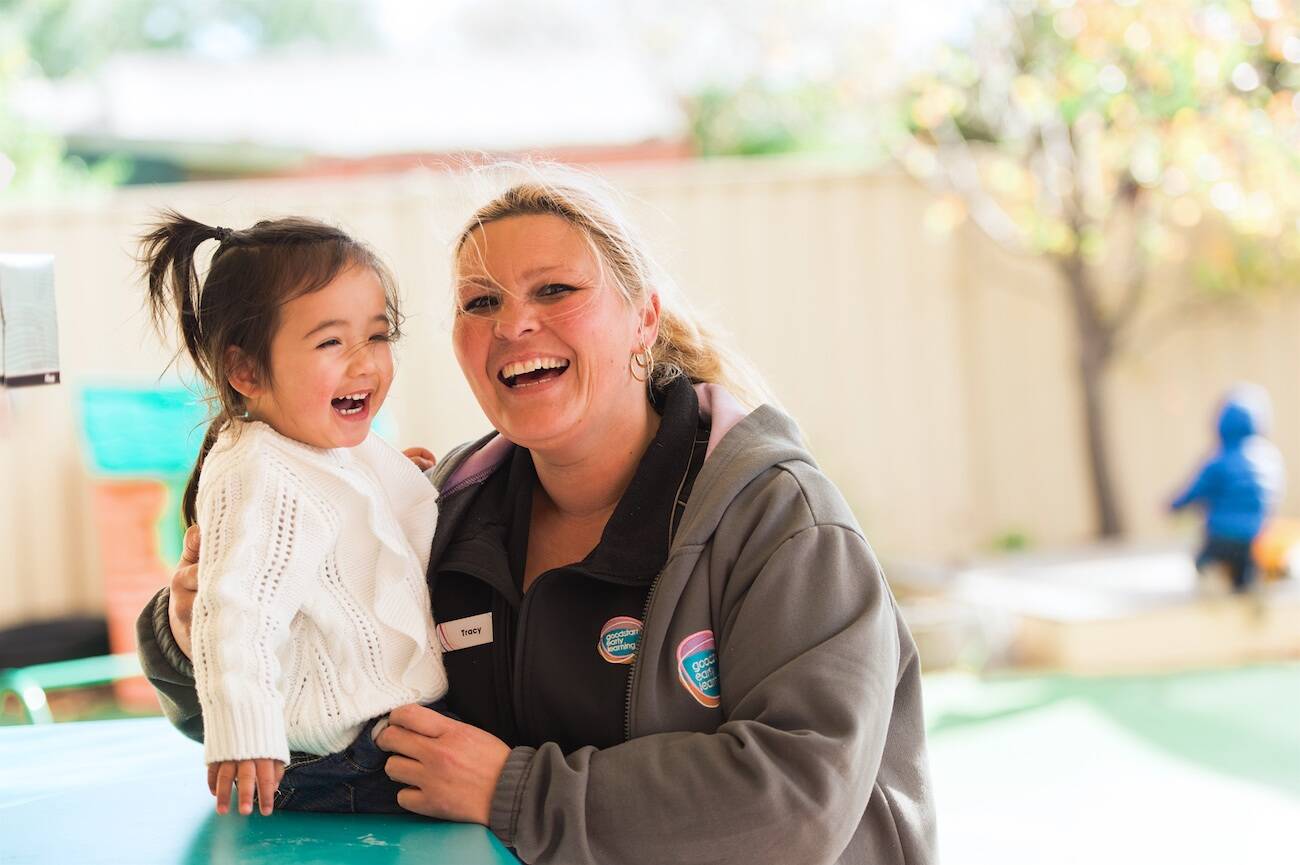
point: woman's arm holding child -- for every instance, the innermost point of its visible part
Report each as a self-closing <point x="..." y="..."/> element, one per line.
<point x="184" y="587"/>
<point x="163" y="642"/>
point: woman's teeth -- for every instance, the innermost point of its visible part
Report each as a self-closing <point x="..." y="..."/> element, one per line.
<point x="511" y="372"/>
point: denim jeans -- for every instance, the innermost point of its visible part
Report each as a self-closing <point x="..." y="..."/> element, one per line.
<point x="351" y="781"/>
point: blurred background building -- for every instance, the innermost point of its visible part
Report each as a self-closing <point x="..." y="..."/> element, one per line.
<point x="1000" y="258"/>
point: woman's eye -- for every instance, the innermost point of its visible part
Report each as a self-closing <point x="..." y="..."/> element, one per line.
<point x="328" y="343"/>
<point x="386" y="336"/>
<point x="481" y="304"/>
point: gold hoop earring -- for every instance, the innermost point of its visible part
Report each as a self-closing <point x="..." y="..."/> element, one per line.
<point x="643" y="360"/>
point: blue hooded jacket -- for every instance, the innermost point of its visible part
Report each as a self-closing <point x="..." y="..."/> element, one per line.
<point x="1242" y="484"/>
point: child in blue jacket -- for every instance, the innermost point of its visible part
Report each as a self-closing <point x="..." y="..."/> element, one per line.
<point x="1239" y="486"/>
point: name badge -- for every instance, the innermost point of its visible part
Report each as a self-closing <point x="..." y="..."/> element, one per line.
<point x="467" y="632"/>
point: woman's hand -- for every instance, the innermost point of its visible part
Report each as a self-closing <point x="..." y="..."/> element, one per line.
<point x="185" y="585"/>
<point x="451" y="768"/>
<point x="262" y="775"/>
<point x="422" y="457"/>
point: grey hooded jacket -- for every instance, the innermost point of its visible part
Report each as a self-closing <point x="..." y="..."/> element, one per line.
<point x="808" y="746"/>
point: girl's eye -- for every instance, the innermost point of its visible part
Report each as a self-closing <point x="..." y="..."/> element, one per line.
<point x="555" y="289"/>
<point x="481" y="304"/>
<point x="386" y="336"/>
<point x="329" y="343"/>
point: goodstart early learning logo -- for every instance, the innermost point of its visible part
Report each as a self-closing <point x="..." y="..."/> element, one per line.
<point x="697" y="668"/>
<point x="619" y="639"/>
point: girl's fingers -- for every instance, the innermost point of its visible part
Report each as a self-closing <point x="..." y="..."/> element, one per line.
<point x="246" y="778"/>
<point x="225" y="776"/>
<point x="267" y="782"/>
<point x="261" y="776"/>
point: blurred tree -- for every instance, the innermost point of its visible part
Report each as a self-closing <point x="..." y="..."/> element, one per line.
<point x="1103" y="135"/>
<point x="57" y="38"/>
<point x="66" y="36"/>
<point x="781" y="76"/>
<point x="755" y="120"/>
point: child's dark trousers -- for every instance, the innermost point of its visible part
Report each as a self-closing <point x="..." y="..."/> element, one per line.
<point x="1235" y="555"/>
<point x="351" y="781"/>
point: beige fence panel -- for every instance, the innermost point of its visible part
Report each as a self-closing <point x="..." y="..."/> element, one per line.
<point x="933" y="377"/>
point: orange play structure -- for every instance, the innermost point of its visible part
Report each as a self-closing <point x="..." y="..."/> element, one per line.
<point x="1277" y="549"/>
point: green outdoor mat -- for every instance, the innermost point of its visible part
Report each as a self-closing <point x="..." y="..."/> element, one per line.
<point x="1196" y="768"/>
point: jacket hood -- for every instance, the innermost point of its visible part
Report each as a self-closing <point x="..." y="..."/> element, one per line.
<point x="1246" y="410"/>
<point x="762" y="439"/>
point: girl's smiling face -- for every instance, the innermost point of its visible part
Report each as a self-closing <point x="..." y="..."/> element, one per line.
<point x="542" y="337"/>
<point x="331" y="364"/>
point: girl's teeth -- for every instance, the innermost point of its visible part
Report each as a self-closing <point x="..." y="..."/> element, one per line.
<point x="353" y="397"/>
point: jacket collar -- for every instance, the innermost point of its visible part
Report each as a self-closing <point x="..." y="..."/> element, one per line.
<point x="472" y="463"/>
<point x="467" y="466"/>
<point x="634" y="545"/>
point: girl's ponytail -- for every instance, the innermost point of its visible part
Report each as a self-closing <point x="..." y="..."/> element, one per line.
<point x="167" y="254"/>
<point x="189" y="502"/>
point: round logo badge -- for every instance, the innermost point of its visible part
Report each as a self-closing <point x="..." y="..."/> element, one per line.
<point x="619" y="639"/>
<point x="697" y="668"/>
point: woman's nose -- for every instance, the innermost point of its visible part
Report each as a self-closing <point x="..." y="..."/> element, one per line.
<point x="515" y="320"/>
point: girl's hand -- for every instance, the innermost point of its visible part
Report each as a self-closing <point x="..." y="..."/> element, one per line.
<point x="185" y="585"/>
<point x="262" y="775"/>
<point x="422" y="457"/>
<point x="451" y="768"/>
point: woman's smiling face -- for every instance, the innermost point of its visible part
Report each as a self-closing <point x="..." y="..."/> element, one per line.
<point x="543" y="338"/>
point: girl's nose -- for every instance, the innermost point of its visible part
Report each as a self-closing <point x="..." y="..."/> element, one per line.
<point x="363" y="359"/>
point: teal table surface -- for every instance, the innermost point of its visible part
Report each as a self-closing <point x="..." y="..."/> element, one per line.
<point x="135" y="792"/>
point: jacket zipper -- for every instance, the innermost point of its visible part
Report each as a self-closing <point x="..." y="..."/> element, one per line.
<point x="505" y="659"/>
<point x="650" y="596"/>
<point x="636" y="661"/>
<point x="517" y="650"/>
<point x="519" y="626"/>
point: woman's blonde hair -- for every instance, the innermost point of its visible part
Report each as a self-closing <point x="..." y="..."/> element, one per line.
<point x="686" y="346"/>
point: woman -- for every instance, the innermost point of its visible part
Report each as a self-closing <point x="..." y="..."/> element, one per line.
<point x="666" y="637"/>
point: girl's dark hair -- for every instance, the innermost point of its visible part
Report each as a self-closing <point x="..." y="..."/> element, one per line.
<point x="252" y="273"/>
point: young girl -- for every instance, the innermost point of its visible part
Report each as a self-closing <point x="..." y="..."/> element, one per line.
<point x="311" y="619"/>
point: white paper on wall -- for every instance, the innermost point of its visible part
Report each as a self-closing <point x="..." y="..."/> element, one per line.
<point x="29" y="331"/>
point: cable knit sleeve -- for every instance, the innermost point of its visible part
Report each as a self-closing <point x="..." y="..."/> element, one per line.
<point x="263" y="545"/>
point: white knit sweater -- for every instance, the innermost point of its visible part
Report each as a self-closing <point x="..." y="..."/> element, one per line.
<point x="312" y="614"/>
